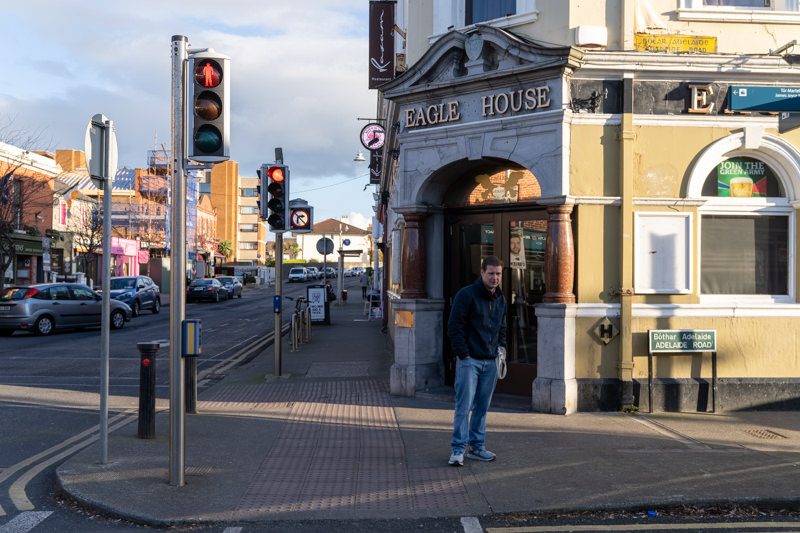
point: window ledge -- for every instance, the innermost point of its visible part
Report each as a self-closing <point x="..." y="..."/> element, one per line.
<point x="736" y="15"/>
<point x="502" y="22"/>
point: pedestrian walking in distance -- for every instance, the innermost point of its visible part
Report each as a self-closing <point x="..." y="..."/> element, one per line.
<point x="476" y="328"/>
<point x="364" y="280"/>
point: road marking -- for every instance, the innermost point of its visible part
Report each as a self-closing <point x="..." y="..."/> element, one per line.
<point x="646" y="527"/>
<point x="17" y="491"/>
<point x="24" y="522"/>
<point x="471" y="524"/>
<point x="671" y="433"/>
<point x="232" y="530"/>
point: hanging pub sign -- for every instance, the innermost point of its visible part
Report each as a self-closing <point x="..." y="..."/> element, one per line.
<point x="381" y="42"/>
<point x="742" y="177"/>
<point x="375" y="158"/>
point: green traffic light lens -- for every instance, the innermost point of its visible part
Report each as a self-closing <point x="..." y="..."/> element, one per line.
<point x="208" y="106"/>
<point x="276" y="221"/>
<point x="208" y="139"/>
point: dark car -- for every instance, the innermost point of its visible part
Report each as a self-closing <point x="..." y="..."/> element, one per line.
<point x="232" y="284"/>
<point x="139" y="292"/>
<point x="46" y="307"/>
<point x="206" y="289"/>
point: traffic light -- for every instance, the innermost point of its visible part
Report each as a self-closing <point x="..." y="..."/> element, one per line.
<point x="278" y="193"/>
<point x="207" y="135"/>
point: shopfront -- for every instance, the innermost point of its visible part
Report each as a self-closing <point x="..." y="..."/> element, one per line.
<point x="620" y="201"/>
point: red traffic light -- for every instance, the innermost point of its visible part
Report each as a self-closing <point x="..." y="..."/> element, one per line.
<point x="207" y="73"/>
<point x="275" y="173"/>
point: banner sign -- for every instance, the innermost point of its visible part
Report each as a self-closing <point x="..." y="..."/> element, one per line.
<point x="381" y="43"/>
<point x="682" y="340"/>
<point x="742" y="177"/>
<point x="746" y="98"/>
<point x="375" y="159"/>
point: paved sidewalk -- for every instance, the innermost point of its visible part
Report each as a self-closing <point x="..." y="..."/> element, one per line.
<point x="327" y="440"/>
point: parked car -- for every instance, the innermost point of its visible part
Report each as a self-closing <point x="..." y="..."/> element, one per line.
<point x="329" y="272"/>
<point x="232" y="285"/>
<point x="206" y="289"/>
<point x="356" y="271"/>
<point x="346" y="272"/>
<point x="139" y="292"/>
<point x="46" y="307"/>
<point x="313" y="273"/>
<point x="298" y="274"/>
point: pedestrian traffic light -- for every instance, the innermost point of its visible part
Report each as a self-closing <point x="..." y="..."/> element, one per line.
<point x="278" y="203"/>
<point x="207" y="136"/>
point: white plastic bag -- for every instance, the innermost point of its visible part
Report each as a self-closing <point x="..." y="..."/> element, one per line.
<point x="502" y="367"/>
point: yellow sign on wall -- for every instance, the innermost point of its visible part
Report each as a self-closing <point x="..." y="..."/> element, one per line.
<point x="674" y="44"/>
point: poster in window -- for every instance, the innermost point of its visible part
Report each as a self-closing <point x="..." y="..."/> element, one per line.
<point x="742" y="177"/>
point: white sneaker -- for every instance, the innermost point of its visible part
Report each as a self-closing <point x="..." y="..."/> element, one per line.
<point x="456" y="459"/>
<point x="481" y="454"/>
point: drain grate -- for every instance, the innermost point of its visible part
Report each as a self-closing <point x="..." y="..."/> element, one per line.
<point x="764" y="434"/>
<point x="198" y="470"/>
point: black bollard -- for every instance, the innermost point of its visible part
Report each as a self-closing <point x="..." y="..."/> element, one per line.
<point x="147" y="389"/>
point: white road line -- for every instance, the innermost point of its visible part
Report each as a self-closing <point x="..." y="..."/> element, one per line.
<point x="471" y="524"/>
<point x="232" y="530"/>
<point x="24" y="522"/>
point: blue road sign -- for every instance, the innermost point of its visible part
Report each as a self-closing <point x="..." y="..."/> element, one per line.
<point x="748" y="98"/>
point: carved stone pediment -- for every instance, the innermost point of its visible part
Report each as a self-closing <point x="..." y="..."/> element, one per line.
<point x="484" y="52"/>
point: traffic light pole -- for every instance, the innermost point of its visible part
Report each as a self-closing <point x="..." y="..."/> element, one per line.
<point x="177" y="306"/>
<point x="278" y="342"/>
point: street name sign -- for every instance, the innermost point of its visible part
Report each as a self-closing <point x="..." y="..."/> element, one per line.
<point x="749" y="98"/>
<point x="682" y="340"/>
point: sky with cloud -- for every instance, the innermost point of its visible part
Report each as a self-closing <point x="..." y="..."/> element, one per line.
<point x="298" y="80"/>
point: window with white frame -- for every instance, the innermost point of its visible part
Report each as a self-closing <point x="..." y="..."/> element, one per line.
<point x="248" y="209"/>
<point x="745" y="232"/>
<point x="772" y="5"/>
<point x="449" y="14"/>
<point x="248" y="227"/>
<point x="248" y="245"/>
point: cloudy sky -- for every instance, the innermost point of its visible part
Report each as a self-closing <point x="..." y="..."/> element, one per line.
<point x="298" y="81"/>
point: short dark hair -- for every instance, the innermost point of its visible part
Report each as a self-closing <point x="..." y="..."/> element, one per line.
<point x="491" y="261"/>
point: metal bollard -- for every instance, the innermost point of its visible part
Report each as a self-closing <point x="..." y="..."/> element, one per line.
<point x="147" y="389"/>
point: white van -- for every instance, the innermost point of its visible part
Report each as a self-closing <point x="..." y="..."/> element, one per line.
<point x="298" y="274"/>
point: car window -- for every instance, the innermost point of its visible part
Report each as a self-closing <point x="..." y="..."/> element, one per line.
<point x="80" y="293"/>
<point x="59" y="293"/>
<point x="13" y="293"/>
<point x="123" y="283"/>
<point x="43" y="294"/>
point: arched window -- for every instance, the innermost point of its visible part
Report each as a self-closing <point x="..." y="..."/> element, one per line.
<point x="745" y="232"/>
<point x="492" y="187"/>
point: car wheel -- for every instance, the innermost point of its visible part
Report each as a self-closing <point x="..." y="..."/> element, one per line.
<point x="6" y="332"/>
<point x="157" y="305"/>
<point x="44" y="325"/>
<point x="117" y="319"/>
<point x="240" y="294"/>
<point x="216" y="298"/>
<point x="135" y="308"/>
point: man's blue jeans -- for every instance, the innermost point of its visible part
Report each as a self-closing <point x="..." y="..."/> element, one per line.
<point x="475" y="381"/>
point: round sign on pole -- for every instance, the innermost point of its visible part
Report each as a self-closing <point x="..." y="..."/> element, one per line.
<point x="347" y="242"/>
<point x="325" y="246"/>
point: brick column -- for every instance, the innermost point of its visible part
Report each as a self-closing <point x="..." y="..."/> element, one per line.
<point x="559" y="258"/>
<point x="414" y="258"/>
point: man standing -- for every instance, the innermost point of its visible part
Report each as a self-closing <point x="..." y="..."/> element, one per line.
<point x="476" y="328"/>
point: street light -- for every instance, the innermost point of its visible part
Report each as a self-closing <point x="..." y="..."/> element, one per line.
<point x="359" y="158"/>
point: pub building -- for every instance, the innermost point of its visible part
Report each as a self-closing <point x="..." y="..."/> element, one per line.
<point x="624" y="195"/>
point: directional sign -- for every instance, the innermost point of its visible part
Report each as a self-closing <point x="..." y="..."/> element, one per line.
<point x="748" y="98"/>
<point x="100" y="145"/>
<point x="300" y="219"/>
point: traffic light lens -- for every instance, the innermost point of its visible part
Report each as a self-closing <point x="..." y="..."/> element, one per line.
<point x="275" y="204"/>
<point x="208" y="106"/>
<point x="207" y="73"/>
<point x="276" y="174"/>
<point x="208" y="139"/>
<point x="275" y="188"/>
<point x="276" y="221"/>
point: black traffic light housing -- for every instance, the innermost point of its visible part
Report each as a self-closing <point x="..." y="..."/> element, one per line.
<point x="278" y="197"/>
<point x="208" y="119"/>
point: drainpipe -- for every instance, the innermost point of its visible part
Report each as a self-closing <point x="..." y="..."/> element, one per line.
<point x="627" y="169"/>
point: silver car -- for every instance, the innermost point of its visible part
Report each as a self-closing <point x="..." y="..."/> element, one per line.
<point x="46" y="307"/>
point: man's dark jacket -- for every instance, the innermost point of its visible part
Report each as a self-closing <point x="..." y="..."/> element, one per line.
<point x="477" y="324"/>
